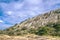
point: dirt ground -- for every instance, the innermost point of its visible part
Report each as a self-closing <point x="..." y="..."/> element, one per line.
<point x="5" y="37"/>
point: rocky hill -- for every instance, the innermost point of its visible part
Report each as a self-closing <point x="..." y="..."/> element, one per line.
<point x="43" y="24"/>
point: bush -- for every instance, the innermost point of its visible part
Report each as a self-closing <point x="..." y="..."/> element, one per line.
<point x="45" y="31"/>
<point x="32" y="31"/>
<point x="1" y="32"/>
<point x="56" y="26"/>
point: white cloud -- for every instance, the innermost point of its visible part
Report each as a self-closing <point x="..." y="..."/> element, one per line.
<point x="18" y="5"/>
<point x="50" y="3"/>
<point x="33" y="1"/>
<point x="9" y="12"/>
<point x="1" y="21"/>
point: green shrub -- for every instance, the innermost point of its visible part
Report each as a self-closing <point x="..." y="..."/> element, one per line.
<point x="1" y="32"/>
<point x="32" y="31"/>
<point x="45" y="31"/>
<point x="56" y="26"/>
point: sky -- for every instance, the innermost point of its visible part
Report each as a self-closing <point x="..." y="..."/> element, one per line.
<point x="16" y="11"/>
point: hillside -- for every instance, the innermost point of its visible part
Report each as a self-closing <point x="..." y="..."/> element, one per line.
<point x="43" y="24"/>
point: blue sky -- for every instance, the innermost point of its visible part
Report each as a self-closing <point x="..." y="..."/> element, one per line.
<point x="15" y="11"/>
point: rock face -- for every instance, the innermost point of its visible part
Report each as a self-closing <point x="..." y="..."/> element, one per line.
<point x="41" y="20"/>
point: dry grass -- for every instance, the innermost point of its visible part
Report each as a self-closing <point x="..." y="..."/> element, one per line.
<point x="28" y="37"/>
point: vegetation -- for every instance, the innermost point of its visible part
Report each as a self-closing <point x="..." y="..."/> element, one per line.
<point x="45" y="31"/>
<point x="52" y="29"/>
